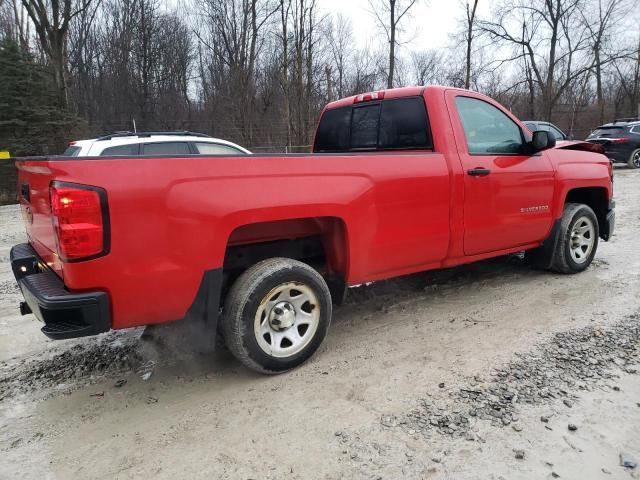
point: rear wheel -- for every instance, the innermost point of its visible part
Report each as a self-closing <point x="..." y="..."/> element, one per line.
<point x="276" y="315"/>
<point x="634" y="159"/>
<point x="578" y="239"/>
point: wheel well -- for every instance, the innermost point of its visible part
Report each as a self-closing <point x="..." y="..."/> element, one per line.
<point x="319" y="242"/>
<point x="595" y="197"/>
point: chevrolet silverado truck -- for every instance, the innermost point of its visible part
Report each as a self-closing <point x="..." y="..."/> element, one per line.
<point x="399" y="181"/>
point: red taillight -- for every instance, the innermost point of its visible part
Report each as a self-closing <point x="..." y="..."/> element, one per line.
<point x="78" y="213"/>
<point x="619" y="140"/>
<point x="367" y="97"/>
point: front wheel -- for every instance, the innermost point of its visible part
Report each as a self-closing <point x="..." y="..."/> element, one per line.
<point x="634" y="159"/>
<point x="578" y="239"/>
<point x="276" y="315"/>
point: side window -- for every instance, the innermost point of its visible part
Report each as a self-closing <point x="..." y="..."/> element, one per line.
<point x="216" y="149"/>
<point x="635" y="129"/>
<point x="127" y="150"/>
<point x="487" y="129"/>
<point x="166" y="148"/>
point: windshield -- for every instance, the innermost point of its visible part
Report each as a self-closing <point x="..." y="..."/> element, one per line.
<point x="71" y="152"/>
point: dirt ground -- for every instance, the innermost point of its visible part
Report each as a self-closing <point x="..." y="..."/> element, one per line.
<point x="442" y="375"/>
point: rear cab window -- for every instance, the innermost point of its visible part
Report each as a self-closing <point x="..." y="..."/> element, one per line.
<point x="393" y="124"/>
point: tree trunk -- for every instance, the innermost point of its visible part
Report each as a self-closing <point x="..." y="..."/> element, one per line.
<point x="392" y="42"/>
<point x="309" y="79"/>
<point x="470" y="22"/>
<point x="284" y="17"/>
<point x="58" y="61"/>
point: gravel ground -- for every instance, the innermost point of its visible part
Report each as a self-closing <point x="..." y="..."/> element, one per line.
<point x="487" y="371"/>
<point x="572" y="361"/>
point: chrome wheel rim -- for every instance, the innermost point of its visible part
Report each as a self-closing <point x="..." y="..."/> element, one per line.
<point x="287" y="319"/>
<point x="636" y="158"/>
<point x="582" y="239"/>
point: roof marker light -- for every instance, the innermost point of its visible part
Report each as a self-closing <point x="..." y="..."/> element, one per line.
<point x="367" y="97"/>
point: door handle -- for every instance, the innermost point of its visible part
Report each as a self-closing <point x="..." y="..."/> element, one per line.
<point x="479" y="172"/>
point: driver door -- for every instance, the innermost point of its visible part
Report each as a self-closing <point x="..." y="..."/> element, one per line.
<point x="508" y="192"/>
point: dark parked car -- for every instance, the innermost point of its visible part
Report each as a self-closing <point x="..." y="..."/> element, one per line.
<point x="534" y="125"/>
<point x="621" y="141"/>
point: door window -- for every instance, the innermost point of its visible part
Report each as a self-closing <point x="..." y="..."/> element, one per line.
<point x="487" y="129"/>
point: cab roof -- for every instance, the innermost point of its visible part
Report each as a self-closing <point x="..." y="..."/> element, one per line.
<point x="391" y="93"/>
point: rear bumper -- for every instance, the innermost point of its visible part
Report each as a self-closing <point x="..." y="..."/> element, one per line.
<point x="64" y="314"/>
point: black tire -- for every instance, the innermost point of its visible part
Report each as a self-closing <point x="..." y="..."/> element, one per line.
<point x="634" y="159"/>
<point x="248" y="297"/>
<point x="563" y="260"/>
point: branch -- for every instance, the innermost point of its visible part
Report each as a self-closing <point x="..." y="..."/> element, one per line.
<point x="413" y="2"/>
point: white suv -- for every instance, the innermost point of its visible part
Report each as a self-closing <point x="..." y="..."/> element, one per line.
<point x="153" y="143"/>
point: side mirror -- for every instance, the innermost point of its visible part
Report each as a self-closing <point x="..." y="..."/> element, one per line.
<point x="542" y="140"/>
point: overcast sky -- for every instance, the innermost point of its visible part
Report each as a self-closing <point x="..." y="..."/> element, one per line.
<point x="431" y="21"/>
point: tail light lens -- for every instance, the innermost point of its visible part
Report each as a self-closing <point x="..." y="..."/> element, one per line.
<point x="80" y="219"/>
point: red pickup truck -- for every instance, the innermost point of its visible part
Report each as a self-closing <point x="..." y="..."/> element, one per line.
<point x="400" y="181"/>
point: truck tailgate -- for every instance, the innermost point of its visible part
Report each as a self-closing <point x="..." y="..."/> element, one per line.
<point x="34" y="177"/>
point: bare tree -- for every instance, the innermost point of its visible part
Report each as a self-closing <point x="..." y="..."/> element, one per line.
<point x="304" y="28"/>
<point x="51" y="21"/>
<point x="470" y="10"/>
<point x="549" y="38"/>
<point x="388" y="15"/>
<point x="628" y="76"/>
<point x="428" y="67"/>
<point x="232" y="35"/>
<point x="259" y="71"/>
<point x="341" y="41"/>
<point x="14" y="22"/>
<point x="599" y="21"/>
